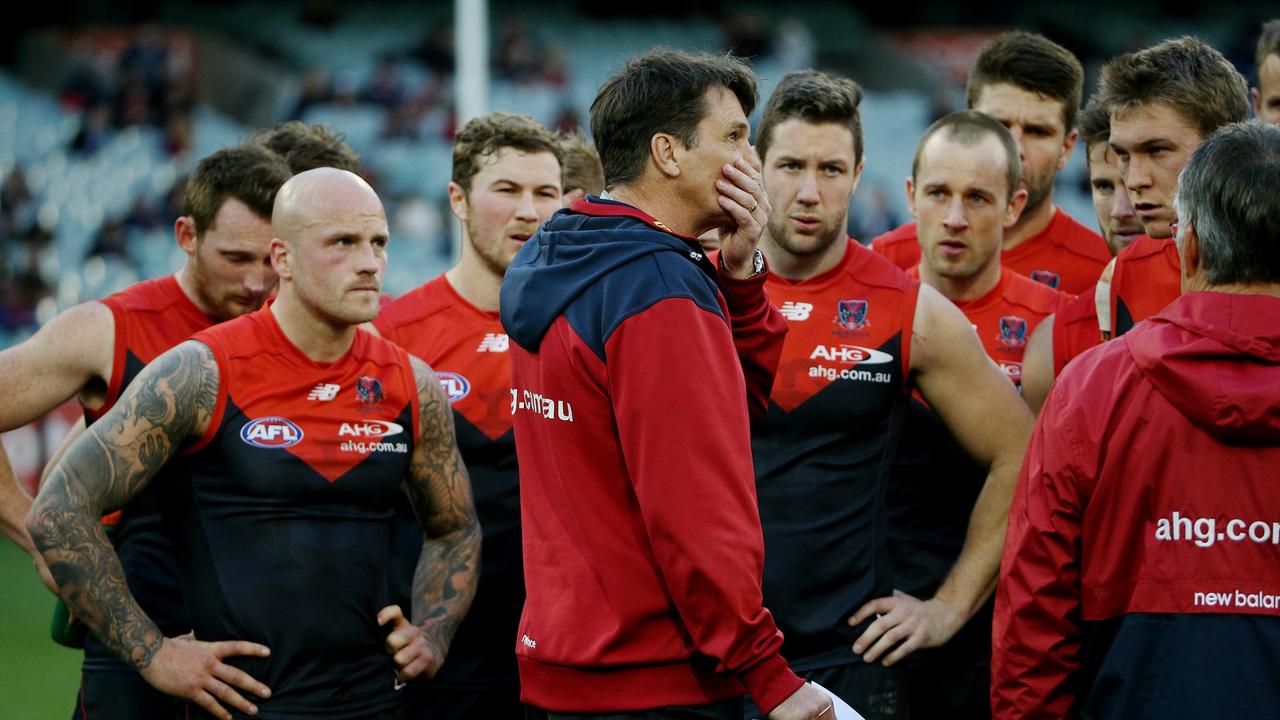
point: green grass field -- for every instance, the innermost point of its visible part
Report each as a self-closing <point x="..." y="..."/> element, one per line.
<point x="38" y="679"/>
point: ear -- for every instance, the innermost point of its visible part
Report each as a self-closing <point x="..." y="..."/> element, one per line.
<point x="184" y="230"/>
<point x="665" y="151"/>
<point x="857" y="176"/>
<point x="911" y="196"/>
<point x="1068" y="147"/>
<point x="458" y="202"/>
<point x="573" y="196"/>
<point x="1189" y="249"/>
<point x="1014" y="210"/>
<point x="1256" y="95"/>
<point x="281" y="258"/>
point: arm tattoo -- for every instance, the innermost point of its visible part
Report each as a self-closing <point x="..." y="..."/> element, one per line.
<point x="438" y="487"/>
<point x="169" y="403"/>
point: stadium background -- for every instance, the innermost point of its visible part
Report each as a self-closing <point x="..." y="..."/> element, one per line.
<point x="103" y="110"/>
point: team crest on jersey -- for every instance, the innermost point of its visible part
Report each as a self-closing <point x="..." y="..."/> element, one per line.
<point x="1013" y="332"/>
<point x="1046" y="277"/>
<point x="369" y="390"/>
<point x="271" y="432"/>
<point x="852" y="314"/>
<point x="455" y="386"/>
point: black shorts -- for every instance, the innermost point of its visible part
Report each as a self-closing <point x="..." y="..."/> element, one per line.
<point x="436" y="703"/>
<point x="875" y="691"/>
<point x="123" y="696"/>
<point x="722" y="710"/>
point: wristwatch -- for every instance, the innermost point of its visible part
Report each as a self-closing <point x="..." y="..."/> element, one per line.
<point x="757" y="263"/>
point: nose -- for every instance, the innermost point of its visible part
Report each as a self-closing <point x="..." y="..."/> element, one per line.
<point x="808" y="191"/>
<point x="526" y="211"/>
<point x="1135" y="172"/>
<point x="1016" y="132"/>
<point x="260" y="279"/>
<point x="1122" y="206"/>
<point x="370" y="259"/>
<point x="954" y="219"/>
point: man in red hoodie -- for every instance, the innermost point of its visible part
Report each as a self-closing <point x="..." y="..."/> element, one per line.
<point x="634" y="358"/>
<point x="1140" y="575"/>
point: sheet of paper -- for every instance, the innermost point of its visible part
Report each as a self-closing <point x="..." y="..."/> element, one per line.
<point x="843" y="711"/>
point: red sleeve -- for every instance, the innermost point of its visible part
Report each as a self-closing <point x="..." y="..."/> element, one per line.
<point x="682" y="425"/>
<point x="758" y="332"/>
<point x="1035" y="634"/>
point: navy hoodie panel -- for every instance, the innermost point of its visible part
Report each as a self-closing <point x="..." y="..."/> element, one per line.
<point x="617" y="267"/>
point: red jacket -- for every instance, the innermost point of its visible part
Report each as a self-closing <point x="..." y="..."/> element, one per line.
<point x="1141" y="574"/>
<point x="633" y="365"/>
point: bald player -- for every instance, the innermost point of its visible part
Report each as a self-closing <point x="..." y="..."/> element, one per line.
<point x="1033" y="86"/>
<point x="1063" y="336"/>
<point x="282" y="438"/>
<point x="1266" y="96"/>
<point x="93" y="352"/>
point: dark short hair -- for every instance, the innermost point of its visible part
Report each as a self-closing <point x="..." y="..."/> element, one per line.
<point x="1227" y="191"/>
<point x="1095" y="124"/>
<point x="814" y="97"/>
<point x="970" y="127"/>
<point x="1033" y="63"/>
<point x="485" y="135"/>
<point x="249" y="173"/>
<point x="1184" y="73"/>
<point x="1268" y="42"/>
<point x="307" y="147"/>
<point x="661" y="91"/>
<point x="580" y="167"/>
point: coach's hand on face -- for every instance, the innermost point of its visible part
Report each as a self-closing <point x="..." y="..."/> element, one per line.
<point x="408" y="646"/>
<point x="193" y="670"/>
<point x="906" y="622"/>
<point x="742" y="196"/>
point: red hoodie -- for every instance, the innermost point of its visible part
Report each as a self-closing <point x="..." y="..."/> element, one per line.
<point x="1141" y="573"/>
<point x="633" y="364"/>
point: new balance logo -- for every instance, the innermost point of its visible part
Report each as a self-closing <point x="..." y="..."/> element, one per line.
<point x="796" y="311"/>
<point x="324" y="392"/>
<point x="494" y="342"/>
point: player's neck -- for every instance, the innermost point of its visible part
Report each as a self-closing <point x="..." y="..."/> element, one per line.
<point x="319" y="339"/>
<point x="966" y="289"/>
<point x="1031" y="223"/>
<point x="187" y="283"/>
<point x="475" y="283"/>
<point x="662" y="204"/>
<point x="802" y="267"/>
<point x="1198" y="283"/>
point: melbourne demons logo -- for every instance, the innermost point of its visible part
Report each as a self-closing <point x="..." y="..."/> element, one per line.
<point x="271" y="432"/>
<point x="455" y="386"/>
<point x="369" y="390"/>
<point x="1013" y="332"/>
<point x="1046" y="277"/>
<point x="852" y="314"/>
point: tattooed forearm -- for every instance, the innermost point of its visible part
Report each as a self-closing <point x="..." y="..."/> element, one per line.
<point x="170" y="402"/>
<point x="440" y="491"/>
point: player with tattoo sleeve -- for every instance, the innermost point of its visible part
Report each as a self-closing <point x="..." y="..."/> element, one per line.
<point x="278" y="443"/>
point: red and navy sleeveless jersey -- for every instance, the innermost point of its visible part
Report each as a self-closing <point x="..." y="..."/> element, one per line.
<point x="935" y="484"/>
<point x="282" y="513"/>
<point x="1075" y="329"/>
<point x="822" y="450"/>
<point x="1147" y="277"/>
<point x="1065" y="255"/>
<point x="468" y="349"/>
<point x="150" y="317"/>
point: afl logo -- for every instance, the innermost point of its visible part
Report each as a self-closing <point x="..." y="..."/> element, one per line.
<point x="455" y="386"/>
<point x="271" y="432"/>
